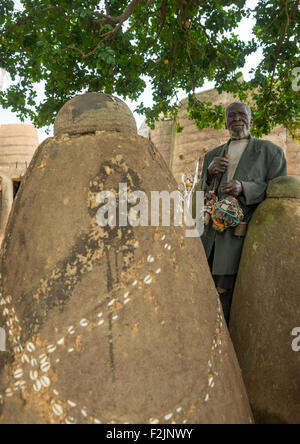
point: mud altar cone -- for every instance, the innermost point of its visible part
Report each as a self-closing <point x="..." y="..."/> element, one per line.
<point x="266" y="307"/>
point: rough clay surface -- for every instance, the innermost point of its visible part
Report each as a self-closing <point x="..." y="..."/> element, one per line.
<point x="108" y="325"/>
<point x="266" y="309"/>
<point x="94" y="112"/>
<point x="287" y="186"/>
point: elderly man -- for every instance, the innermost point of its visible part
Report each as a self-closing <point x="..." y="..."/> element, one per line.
<point x="244" y="166"/>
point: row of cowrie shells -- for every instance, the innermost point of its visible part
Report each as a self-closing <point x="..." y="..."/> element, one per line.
<point x="147" y="280"/>
<point x="12" y="322"/>
<point x="211" y="382"/>
<point x="39" y="377"/>
<point x="44" y="381"/>
<point x="215" y="346"/>
<point x="168" y="417"/>
<point x="84" y="323"/>
<point x="11" y="318"/>
<point x="59" y="411"/>
<point x="57" y="407"/>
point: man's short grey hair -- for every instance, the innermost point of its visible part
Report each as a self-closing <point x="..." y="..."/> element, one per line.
<point x="239" y="103"/>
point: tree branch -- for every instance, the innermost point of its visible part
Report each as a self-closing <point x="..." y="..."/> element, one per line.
<point x="289" y="15"/>
<point x="208" y="38"/>
<point x="30" y="17"/>
<point x="110" y="20"/>
<point x="110" y="33"/>
<point x="122" y="18"/>
<point x="105" y="19"/>
<point x="137" y="21"/>
<point x="74" y="48"/>
<point x="163" y="15"/>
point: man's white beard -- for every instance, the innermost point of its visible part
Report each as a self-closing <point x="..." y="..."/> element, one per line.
<point x="239" y="133"/>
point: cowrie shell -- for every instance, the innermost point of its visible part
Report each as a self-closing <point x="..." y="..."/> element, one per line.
<point x="148" y="279"/>
<point x="43" y="359"/>
<point x="57" y="410"/>
<point x="45" y="381"/>
<point x="51" y="348"/>
<point x="23" y="384"/>
<point x="72" y="404"/>
<point x="8" y="393"/>
<point x="18" y="373"/>
<point x="84" y="322"/>
<point x="30" y="347"/>
<point x="25" y="359"/>
<point x="37" y="386"/>
<point x="45" y="367"/>
<point x="33" y="375"/>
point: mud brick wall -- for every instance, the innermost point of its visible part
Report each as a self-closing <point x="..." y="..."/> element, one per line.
<point x="17" y="146"/>
<point x="181" y="150"/>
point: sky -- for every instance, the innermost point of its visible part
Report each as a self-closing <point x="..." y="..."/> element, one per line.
<point x="245" y="33"/>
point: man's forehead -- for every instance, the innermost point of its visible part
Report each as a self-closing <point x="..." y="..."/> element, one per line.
<point x="237" y="107"/>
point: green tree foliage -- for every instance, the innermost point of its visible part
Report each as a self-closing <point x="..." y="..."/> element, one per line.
<point x="112" y="46"/>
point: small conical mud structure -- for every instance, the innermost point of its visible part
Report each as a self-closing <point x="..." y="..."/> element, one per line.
<point x="108" y="324"/>
<point x="266" y="306"/>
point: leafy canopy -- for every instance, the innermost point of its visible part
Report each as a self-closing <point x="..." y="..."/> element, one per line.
<point x="75" y="46"/>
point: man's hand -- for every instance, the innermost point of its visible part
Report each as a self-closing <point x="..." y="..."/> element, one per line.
<point x="218" y="165"/>
<point x="232" y="188"/>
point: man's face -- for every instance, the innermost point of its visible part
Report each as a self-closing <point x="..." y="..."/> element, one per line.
<point x="238" y="120"/>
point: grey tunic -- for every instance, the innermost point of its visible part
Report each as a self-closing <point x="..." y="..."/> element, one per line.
<point x="261" y="162"/>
